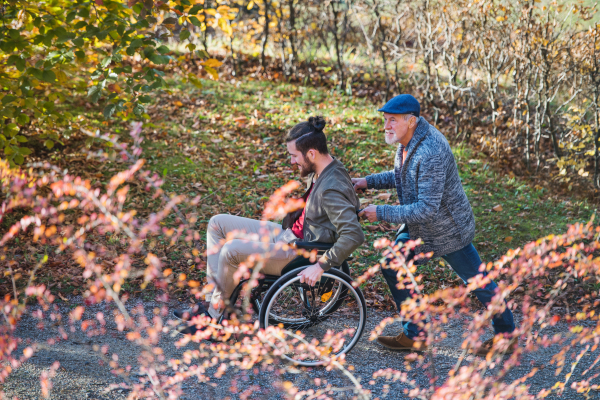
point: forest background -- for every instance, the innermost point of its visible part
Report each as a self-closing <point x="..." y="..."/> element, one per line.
<point x="127" y="124"/>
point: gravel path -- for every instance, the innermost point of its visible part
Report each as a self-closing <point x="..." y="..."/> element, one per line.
<point x="83" y="375"/>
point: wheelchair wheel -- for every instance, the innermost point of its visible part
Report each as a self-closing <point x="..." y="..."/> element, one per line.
<point x="331" y="307"/>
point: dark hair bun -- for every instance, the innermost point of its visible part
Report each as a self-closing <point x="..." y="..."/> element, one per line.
<point x="318" y="123"/>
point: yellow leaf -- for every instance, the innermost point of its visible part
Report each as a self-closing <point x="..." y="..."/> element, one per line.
<point x="179" y="104"/>
<point x="213" y="63"/>
<point x="61" y="76"/>
<point x="326" y="296"/>
<point x="250" y="5"/>
<point x="212" y="71"/>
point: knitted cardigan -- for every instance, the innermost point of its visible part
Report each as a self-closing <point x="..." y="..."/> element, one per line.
<point x="432" y="200"/>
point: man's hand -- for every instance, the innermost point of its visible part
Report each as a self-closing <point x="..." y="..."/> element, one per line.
<point x="359" y="184"/>
<point x="369" y="213"/>
<point x="311" y="275"/>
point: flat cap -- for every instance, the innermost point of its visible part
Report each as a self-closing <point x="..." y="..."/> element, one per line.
<point x="402" y="104"/>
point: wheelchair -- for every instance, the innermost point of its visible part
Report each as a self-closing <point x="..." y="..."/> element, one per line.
<point x="332" y="306"/>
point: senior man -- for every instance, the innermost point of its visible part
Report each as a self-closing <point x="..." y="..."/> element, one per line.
<point x="433" y="207"/>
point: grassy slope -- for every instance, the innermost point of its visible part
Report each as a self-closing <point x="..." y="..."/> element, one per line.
<point x="225" y="141"/>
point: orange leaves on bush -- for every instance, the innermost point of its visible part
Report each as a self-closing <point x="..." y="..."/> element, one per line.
<point x="279" y="206"/>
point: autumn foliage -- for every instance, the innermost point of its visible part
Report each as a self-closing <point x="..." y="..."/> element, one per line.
<point x="520" y="79"/>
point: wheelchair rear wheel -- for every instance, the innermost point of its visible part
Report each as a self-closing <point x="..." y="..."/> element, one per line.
<point x="333" y="307"/>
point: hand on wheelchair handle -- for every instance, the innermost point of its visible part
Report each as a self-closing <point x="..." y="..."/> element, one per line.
<point x="311" y="275"/>
<point x="369" y="212"/>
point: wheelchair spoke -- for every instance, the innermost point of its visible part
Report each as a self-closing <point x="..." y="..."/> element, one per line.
<point x="332" y="313"/>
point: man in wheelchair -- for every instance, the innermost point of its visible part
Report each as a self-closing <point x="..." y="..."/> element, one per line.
<point x="329" y="216"/>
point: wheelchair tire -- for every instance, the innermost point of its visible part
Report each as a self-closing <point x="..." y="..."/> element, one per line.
<point x="308" y="317"/>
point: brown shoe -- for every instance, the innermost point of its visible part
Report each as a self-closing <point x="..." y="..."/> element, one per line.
<point x="401" y="342"/>
<point x="493" y="343"/>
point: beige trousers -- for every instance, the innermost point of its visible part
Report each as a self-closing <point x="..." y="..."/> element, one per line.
<point x="224" y="255"/>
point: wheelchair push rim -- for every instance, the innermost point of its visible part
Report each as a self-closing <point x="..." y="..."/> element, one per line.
<point x="322" y="320"/>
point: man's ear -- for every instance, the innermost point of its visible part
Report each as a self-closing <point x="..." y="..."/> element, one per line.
<point x="312" y="154"/>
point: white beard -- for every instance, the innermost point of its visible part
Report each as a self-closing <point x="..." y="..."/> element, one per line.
<point x="391" y="139"/>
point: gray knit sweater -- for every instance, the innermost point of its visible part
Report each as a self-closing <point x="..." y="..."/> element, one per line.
<point x="433" y="202"/>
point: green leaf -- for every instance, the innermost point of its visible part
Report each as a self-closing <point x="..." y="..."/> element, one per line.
<point x="94" y="93"/>
<point x="170" y="21"/>
<point x="48" y="76"/>
<point x="25" y="151"/>
<point x="165" y="172"/>
<point x="21" y="64"/>
<point x="18" y="159"/>
<point x="144" y="99"/>
<point x="49" y="144"/>
<point x="138" y="110"/>
<point x="194" y="10"/>
<point x="71" y="16"/>
<point x="21" y="139"/>
<point x="136" y="43"/>
<point x="80" y="54"/>
<point x="8" y="99"/>
<point x="11" y="129"/>
<point x="156" y="59"/>
<point x="184" y="35"/>
<point x="78" y="42"/>
<point x="163" y="49"/>
<point x="202" y="54"/>
<point x="22" y="119"/>
<point x="105" y="62"/>
<point x="109" y="110"/>
<point x="12" y="59"/>
<point x="195" y="21"/>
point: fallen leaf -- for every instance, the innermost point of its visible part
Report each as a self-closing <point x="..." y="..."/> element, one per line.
<point x="384" y="196"/>
<point x="179" y="104"/>
<point x="497" y="208"/>
<point x="508" y="239"/>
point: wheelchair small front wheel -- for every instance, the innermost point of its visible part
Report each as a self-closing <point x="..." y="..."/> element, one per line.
<point x="322" y="320"/>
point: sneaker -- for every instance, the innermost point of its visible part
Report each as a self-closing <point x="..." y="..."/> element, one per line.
<point x="506" y="347"/>
<point x="189" y="313"/>
<point x="401" y="342"/>
<point x="191" y="328"/>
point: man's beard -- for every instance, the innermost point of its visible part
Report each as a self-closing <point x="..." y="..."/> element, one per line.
<point x="391" y="139"/>
<point x="307" y="168"/>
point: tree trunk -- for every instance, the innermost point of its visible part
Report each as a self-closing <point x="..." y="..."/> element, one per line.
<point x="205" y="36"/>
<point x="596" y="138"/>
<point x="382" y="51"/>
<point x="293" y="34"/>
<point x="263" y="59"/>
<point x="337" y="45"/>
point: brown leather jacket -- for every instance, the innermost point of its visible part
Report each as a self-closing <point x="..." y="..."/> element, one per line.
<point x="331" y="215"/>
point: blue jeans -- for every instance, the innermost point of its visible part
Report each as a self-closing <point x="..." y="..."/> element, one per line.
<point x="465" y="262"/>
